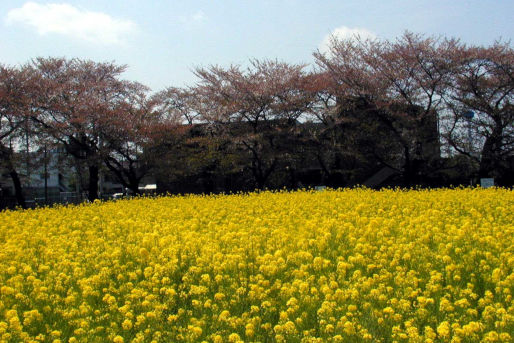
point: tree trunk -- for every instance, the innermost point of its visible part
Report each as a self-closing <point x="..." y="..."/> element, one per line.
<point x="134" y="185"/>
<point x="257" y="175"/>
<point x="6" y="155"/>
<point x="292" y="178"/>
<point x="489" y="162"/>
<point x="261" y="174"/>
<point x="20" y="198"/>
<point x="325" y="172"/>
<point x="408" y="170"/>
<point x="93" y="182"/>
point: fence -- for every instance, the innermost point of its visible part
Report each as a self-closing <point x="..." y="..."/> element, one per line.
<point x="64" y="198"/>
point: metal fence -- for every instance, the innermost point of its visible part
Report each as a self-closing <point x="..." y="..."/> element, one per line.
<point x="8" y="202"/>
<point x="63" y="198"/>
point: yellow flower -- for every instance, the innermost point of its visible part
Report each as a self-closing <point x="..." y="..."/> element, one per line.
<point x="443" y="330"/>
<point x="286" y="265"/>
<point x="127" y="324"/>
<point x="349" y="329"/>
<point x="233" y="338"/>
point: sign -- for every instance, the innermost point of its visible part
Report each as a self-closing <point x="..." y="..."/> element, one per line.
<point x="486" y="182"/>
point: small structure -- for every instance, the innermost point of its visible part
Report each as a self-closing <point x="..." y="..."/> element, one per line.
<point x="148" y="189"/>
<point x="487" y="182"/>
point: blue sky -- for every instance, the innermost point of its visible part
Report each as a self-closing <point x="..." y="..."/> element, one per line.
<point x="162" y="41"/>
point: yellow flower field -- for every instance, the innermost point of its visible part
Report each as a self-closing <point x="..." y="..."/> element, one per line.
<point x="332" y="266"/>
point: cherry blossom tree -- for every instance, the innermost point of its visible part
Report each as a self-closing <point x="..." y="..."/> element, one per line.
<point x="399" y="84"/>
<point x="480" y="124"/>
<point x="75" y="100"/>
<point x="258" y="108"/>
<point x="15" y="107"/>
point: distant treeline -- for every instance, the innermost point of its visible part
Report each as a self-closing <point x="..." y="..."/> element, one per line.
<point x="416" y="111"/>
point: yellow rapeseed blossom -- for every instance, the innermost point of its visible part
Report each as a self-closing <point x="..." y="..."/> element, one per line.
<point x="334" y="266"/>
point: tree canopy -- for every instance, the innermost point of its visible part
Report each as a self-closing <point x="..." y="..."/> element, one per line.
<point x="417" y="105"/>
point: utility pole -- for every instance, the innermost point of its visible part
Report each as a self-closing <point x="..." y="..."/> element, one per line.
<point x="46" y="175"/>
<point x="468" y="115"/>
<point x="27" y="150"/>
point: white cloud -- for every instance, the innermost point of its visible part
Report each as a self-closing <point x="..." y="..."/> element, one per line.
<point x="199" y="16"/>
<point x="192" y="19"/>
<point x="342" y="33"/>
<point x="67" y="20"/>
